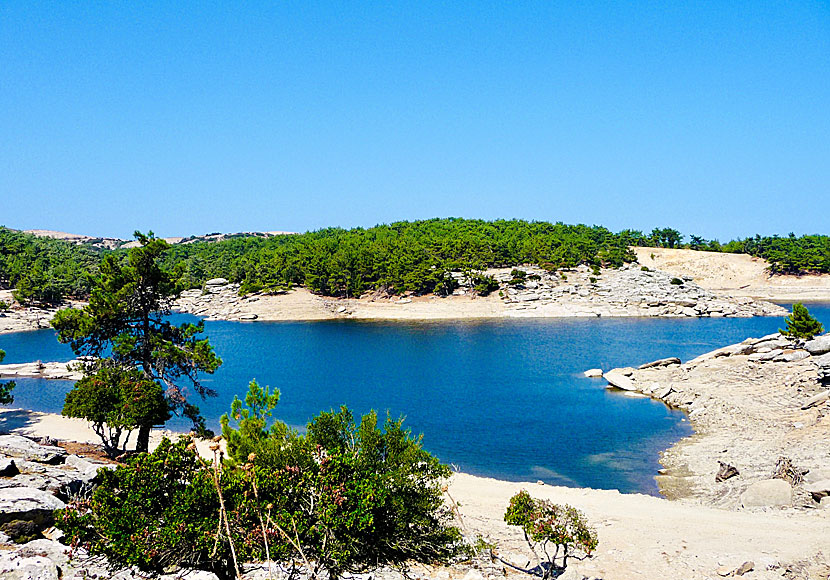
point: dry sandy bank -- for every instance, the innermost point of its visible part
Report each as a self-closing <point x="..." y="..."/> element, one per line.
<point x="736" y="274"/>
<point x="641" y="537"/>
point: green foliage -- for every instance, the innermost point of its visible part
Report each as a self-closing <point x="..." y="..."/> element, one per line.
<point x="646" y="268"/>
<point x="677" y="281"/>
<point x="253" y="431"/>
<point x="6" y="397"/>
<point x="156" y="512"/>
<point x="4" y="306"/>
<point x="44" y="270"/>
<point x="545" y="523"/>
<point x="345" y="497"/>
<point x="518" y="274"/>
<point x="801" y="324"/>
<point x="116" y="401"/>
<point x="126" y="319"/>
<point x="484" y="284"/>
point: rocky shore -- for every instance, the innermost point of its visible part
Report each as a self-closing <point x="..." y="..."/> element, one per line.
<point x="761" y="414"/>
<point x="43" y="370"/>
<point x="629" y="291"/>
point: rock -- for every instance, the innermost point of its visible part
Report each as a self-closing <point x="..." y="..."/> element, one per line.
<point x="616" y="379"/>
<point x="663" y="362"/>
<point x="664" y="392"/>
<point x="593" y="373"/>
<point x="816" y="400"/>
<point x="27" y="505"/>
<point x="17" y="446"/>
<point x="217" y="282"/>
<point x="8" y="467"/>
<point x="744" y="568"/>
<point x="473" y="574"/>
<point x="726" y="471"/>
<point x="792" y="356"/>
<point x="404" y="301"/>
<point x="768" y="493"/>
<point x="818" y="489"/>
<point x="15" y="567"/>
<point x="248" y="316"/>
<point x="819" y="345"/>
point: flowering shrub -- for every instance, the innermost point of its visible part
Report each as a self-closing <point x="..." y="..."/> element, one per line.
<point x="546" y="524"/>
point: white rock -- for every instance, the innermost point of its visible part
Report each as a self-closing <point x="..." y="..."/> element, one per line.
<point x="768" y="493"/>
<point x="217" y="282"/>
<point x="593" y="373"/>
<point x="616" y="379"/>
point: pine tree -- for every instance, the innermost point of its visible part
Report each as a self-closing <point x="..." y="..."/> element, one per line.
<point x="801" y="324"/>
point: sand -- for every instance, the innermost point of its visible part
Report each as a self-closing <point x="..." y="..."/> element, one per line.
<point x="736" y="275"/>
<point x="641" y="537"/>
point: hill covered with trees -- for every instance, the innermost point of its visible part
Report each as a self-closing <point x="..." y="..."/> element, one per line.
<point x="413" y="256"/>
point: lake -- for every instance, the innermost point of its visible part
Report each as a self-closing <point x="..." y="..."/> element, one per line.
<point x="499" y="398"/>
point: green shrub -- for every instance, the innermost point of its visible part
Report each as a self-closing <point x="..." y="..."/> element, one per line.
<point x="6" y="397"/>
<point x="592" y="279"/>
<point x="645" y="269"/>
<point x="544" y="523"/>
<point x="345" y="497"/>
<point x="677" y="281"/>
<point x="4" y="306"/>
<point x="116" y="401"/>
<point x="484" y="284"/>
<point x="801" y="324"/>
<point x="158" y="511"/>
<point x="518" y="274"/>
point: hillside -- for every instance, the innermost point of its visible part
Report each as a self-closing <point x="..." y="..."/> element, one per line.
<point x="736" y="274"/>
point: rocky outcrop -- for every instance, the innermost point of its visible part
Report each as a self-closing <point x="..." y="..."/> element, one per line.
<point x="753" y="405"/>
<point x="628" y="291"/>
<point x="220" y="300"/>
<point x="35" y="480"/>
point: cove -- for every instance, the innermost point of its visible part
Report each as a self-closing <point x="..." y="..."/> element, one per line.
<point x="498" y="398"/>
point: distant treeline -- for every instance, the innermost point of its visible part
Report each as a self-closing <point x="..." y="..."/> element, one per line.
<point x="404" y="256"/>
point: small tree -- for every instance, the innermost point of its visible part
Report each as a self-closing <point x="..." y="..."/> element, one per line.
<point x="6" y="397"/>
<point x="117" y="401"/>
<point x="801" y="324"/>
<point x="126" y="319"/>
<point x="545" y="524"/>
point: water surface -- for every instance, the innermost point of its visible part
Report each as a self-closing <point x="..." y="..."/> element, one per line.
<point x="501" y="398"/>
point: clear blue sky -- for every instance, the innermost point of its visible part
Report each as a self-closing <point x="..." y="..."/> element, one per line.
<point x="186" y="118"/>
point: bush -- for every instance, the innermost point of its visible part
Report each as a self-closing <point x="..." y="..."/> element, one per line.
<point x="645" y="269"/>
<point x="6" y="397"/>
<point x="518" y="274"/>
<point x="801" y="324"/>
<point x="116" y="401"/>
<point x="544" y="523"/>
<point x="677" y="281"/>
<point x="160" y="510"/>
<point x="484" y="284"/>
<point x="344" y="497"/>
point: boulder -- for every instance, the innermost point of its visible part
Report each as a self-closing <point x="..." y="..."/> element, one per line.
<point x="663" y="362"/>
<point x="819" y="345"/>
<point x="217" y="282"/>
<point x="8" y="467"/>
<point x="818" y="489"/>
<point x="768" y="493"/>
<point x="248" y="316"/>
<point x="28" y="504"/>
<point x="815" y="400"/>
<point x="593" y="373"/>
<point x="615" y="378"/>
<point x="792" y="356"/>
<point x="16" y="567"/>
<point x="17" y="446"/>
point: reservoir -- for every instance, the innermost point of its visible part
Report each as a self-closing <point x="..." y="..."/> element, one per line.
<point x="498" y="398"/>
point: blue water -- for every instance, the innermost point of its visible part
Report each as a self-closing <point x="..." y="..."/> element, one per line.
<point x="502" y="398"/>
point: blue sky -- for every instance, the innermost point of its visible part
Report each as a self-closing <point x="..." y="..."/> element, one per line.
<point x="187" y="118"/>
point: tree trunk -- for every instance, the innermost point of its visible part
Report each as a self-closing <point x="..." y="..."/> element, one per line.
<point x="142" y="442"/>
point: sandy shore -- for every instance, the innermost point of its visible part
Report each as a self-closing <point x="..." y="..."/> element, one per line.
<point x="641" y="537"/>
